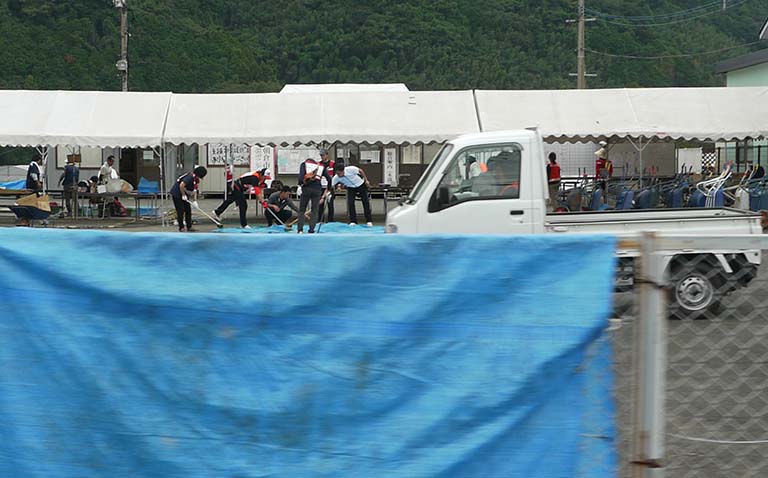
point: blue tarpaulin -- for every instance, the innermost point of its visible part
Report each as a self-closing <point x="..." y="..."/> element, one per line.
<point x="20" y="184"/>
<point x="207" y="355"/>
<point x="326" y="228"/>
<point x="147" y="186"/>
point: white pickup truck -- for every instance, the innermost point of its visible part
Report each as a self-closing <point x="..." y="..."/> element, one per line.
<point x="495" y="183"/>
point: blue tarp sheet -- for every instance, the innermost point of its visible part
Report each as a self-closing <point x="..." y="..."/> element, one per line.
<point x="327" y="228"/>
<point x="202" y="355"/>
<point x="20" y="184"/>
<point x="147" y="186"/>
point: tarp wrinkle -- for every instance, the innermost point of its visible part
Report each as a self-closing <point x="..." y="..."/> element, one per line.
<point x="145" y="354"/>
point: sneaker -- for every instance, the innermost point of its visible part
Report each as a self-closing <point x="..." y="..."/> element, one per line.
<point x="215" y="216"/>
<point x="369" y="224"/>
<point x="300" y="232"/>
<point x="353" y="224"/>
<point x="182" y="229"/>
<point x="246" y="226"/>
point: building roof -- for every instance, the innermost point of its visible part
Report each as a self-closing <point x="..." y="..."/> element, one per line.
<point x="743" y="61"/>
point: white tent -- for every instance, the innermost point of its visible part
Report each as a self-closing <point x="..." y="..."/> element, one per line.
<point x="345" y="88"/>
<point x="711" y="114"/>
<point x="82" y="118"/>
<point x="361" y="117"/>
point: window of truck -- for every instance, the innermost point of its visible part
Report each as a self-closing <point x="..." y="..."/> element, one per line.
<point x="430" y="172"/>
<point x="479" y="173"/>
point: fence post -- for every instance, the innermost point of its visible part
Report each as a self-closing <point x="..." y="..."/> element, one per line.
<point x="650" y="365"/>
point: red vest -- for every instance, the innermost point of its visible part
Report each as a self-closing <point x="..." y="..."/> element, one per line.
<point x="554" y="173"/>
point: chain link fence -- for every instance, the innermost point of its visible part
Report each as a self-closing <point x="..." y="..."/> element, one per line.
<point x="717" y="375"/>
<point x="714" y="377"/>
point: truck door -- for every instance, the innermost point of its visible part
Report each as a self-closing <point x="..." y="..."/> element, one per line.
<point x="482" y="191"/>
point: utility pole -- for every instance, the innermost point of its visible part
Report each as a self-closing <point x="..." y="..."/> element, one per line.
<point x="581" y="80"/>
<point x="581" y="68"/>
<point x="122" y="64"/>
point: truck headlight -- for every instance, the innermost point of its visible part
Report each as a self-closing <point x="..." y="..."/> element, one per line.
<point x="390" y="229"/>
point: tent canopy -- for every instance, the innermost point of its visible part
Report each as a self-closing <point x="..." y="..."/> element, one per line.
<point x="117" y="119"/>
<point x="82" y="118"/>
<point x="706" y="114"/>
<point x="361" y="117"/>
<point x="344" y="88"/>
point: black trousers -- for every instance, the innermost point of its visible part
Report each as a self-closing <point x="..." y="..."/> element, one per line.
<point x="309" y="195"/>
<point x="284" y="215"/>
<point x="352" y="193"/>
<point x="235" y="196"/>
<point x="329" y="199"/>
<point x="69" y="197"/>
<point x="183" y="212"/>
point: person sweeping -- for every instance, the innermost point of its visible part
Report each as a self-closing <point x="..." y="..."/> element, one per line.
<point x="240" y="187"/>
<point x="278" y="206"/>
<point x="184" y="191"/>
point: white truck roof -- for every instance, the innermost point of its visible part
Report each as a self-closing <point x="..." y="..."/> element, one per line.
<point x="492" y="137"/>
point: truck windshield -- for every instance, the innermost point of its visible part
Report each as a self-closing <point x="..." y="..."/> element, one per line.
<point x="418" y="190"/>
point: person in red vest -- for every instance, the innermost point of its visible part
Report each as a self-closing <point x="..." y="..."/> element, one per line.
<point x="553" y="178"/>
<point x="603" y="166"/>
<point x="240" y="187"/>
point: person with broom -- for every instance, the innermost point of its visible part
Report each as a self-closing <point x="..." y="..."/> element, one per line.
<point x="278" y="207"/>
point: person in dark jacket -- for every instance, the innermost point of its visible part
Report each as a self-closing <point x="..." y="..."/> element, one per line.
<point x="328" y="195"/>
<point x="311" y="175"/>
<point x="68" y="180"/>
<point x="185" y="191"/>
<point x="240" y="188"/>
<point x="34" y="176"/>
<point x="276" y="206"/>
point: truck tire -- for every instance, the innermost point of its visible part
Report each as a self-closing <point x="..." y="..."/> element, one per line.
<point x="697" y="289"/>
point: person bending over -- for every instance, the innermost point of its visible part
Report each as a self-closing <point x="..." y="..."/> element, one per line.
<point x="240" y="188"/>
<point x="356" y="182"/>
<point x="185" y="190"/>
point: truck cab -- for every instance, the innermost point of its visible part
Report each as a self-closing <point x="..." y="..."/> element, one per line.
<point x="486" y="183"/>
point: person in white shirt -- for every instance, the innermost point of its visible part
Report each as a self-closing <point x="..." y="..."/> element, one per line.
<point x="107" y="172"/>
<point x="356" y="183"/>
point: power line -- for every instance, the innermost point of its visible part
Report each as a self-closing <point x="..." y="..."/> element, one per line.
<point x="657" y="16"/>
<point x="704" y="13"/>
<point x="661" y="57"/>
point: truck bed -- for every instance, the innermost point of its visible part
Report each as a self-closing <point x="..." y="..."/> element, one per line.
<point x="715" y="221"/>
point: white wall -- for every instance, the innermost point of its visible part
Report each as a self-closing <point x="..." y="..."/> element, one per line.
<point x="577" y="158"/>
<point x="688" y="157"/>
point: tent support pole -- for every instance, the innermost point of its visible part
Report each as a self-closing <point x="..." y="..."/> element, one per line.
<point x="160" y="150"/>
<point x="43" y="152"/>
<point x="639" y="148"/>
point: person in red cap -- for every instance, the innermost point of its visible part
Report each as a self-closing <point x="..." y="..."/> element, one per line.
<point x="240" y="187"/>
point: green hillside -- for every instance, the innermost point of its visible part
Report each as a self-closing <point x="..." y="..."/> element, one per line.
<point x="255" y="46"/>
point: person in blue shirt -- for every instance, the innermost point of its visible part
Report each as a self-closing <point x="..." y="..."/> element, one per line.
<point x="68" y="180"/>
<point x="356" y="183"/>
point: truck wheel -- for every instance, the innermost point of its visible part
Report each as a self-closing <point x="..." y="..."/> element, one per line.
<point x="696" y="290"/>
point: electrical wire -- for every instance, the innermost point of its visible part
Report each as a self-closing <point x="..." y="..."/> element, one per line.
<point x="662" y="57"/>
<point x="698" y="14"/>
<point x="654" y="17"/>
